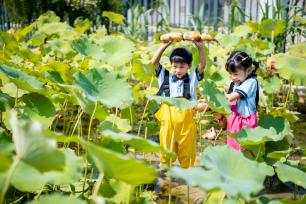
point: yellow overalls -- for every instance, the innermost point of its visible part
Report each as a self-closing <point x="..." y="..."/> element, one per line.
<point x="178" y="134"/>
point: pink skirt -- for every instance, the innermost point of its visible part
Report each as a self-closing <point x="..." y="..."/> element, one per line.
<point x="236" y="122"/>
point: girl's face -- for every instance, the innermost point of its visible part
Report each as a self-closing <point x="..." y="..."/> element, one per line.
<point x="179" y="69"/>
<point x="240" y="75"/>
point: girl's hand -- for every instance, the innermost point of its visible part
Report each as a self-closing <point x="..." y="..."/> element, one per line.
<point x="201" y="106"/>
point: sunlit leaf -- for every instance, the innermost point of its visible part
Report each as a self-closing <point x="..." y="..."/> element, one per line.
<point x="113" y="122"/>
<point x="116" y="17"/>
<point x="291" y="68"/>
<point x="109" y="49"/>
<point x="103" y="86"/>
<point x="267" y="26"/>
<point x="271" y="85"/>
<point x="21" y="79"/>
<point x="298" y="50"/>
<point x="82" y="25"/>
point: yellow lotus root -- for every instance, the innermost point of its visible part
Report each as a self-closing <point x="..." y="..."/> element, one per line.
<point x="192" y="36"/>
<point x="206" y="37"/>
<point x="171" y="37"/>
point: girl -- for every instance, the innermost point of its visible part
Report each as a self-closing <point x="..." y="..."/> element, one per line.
<point x="243" y="94"/>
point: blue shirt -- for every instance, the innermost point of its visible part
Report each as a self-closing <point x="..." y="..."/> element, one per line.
<point x="177" y="86"/>
<point x="246" y="105"/>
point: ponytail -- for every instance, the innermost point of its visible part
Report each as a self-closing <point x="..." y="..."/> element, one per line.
<point x="256" y="65"/>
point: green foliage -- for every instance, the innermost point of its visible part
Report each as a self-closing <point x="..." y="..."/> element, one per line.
<point x="233" y="174"/>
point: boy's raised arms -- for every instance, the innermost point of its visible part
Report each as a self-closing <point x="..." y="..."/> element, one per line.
<point x="202" y="60"/>
<point x="158" y="54"/>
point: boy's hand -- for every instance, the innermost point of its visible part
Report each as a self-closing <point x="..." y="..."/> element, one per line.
<point x="199" y="44"/>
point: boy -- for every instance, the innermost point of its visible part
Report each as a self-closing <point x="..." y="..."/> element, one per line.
<point x="178" y="129"/>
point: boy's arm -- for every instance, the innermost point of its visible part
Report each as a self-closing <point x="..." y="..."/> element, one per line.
<point x="202" y="61"/>
<point x="158" y="54"/>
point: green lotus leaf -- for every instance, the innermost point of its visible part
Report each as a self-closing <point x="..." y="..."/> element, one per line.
<point x="48" y="17"/>
<point x="280" y="124"/>
<point x="267" y="26"/>
<point x="242" y="30"/>
<point x="71" y="173"/>
<point x="20" y="34"/>
<point x="271" y="85"/>
<point x="142" y="72"/>
<point x="229" y="41"/>
<point x="102" y="86"/>
<point x="39" y="104"/>
<point x="110" y="49"/>
<point x="216" y="100"/>
<point x="291" y="68"/>
<point x="88" y="106"/>
<point x="34" y="147"/>
<point x="113" y="122"/>
<point x="58" y="199"/>
<point x="140" y="144"/>
<point x="119" y="166"/>
<point x="298" y="50"/>
<point x="37" y="39"/>
<point x="5" y="163"/>
<point x="287" y="173"/>
<point x="6" y="101"/>
<point x="82" y="25"/>
<point x="289" y="201"/>
<point x="117" y="18"/>
<point x="8" y="42"/>
<point x="258" y="135"/>
<point x="26" y="178"/>
<point x="22" y="80"/>
<point x="180" y="103"/>
<point x="228" y="171"/>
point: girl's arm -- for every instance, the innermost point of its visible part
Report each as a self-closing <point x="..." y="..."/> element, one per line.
<point x="233" y="96"/>
<point x="156" y="58"/>
<point x="202" y="62"/>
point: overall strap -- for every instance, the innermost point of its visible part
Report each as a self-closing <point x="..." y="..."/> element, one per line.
<point x="186" y="91"/>
<point x="165" y="87"/>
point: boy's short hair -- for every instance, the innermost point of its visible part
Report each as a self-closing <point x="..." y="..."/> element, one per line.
<point x="181" y="54"/>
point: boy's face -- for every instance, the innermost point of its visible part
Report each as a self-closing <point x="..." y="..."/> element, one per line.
<point x="240" y="75"/>
<point x="179" y="69"/>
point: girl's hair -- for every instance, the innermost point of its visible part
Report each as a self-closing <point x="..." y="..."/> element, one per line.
<point x="240" y="60"/>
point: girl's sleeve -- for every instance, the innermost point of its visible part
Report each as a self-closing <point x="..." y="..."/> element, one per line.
<point x="247" y="88"/>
